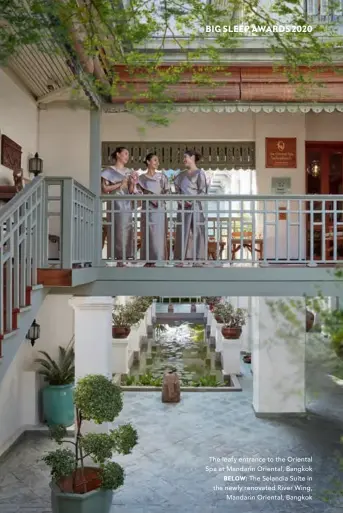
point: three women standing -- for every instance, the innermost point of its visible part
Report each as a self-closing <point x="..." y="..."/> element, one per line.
<point x="189" y="241"/>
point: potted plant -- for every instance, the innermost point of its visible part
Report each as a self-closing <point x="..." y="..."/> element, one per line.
<point x="75" y="486"/>
<point x="233" y="320"/>
<point x="217" y="312"/>
<point x="124" y="317"/>
<point x="58" y="403"/>
<point x="212" y="301"/>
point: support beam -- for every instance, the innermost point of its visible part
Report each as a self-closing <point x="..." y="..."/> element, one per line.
<point x="279" y="357"/>
<point x="94" y="177"/>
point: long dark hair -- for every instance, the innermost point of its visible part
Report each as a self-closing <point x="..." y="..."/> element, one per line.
<point x="195" y="154"/>
<point x="119" y="149"/>
<point x="149" y="157"/>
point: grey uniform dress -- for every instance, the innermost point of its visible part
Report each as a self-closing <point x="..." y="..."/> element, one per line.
<point x="153" y="218"/>
<point x="190" y="224"/>
<point x="121" y="220"/>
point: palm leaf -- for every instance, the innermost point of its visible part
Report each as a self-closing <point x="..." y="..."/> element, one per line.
<point x="61" y="372"/>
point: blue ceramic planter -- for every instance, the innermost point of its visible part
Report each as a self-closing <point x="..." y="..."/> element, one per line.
<point x="96" y="501"/>
<point x="58" y="405"/>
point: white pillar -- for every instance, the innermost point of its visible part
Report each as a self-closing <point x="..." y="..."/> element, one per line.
<point x="231" y="357"/>
<point x="279" y="359"/>
<point x="93" y="335"/>
<point x="213" y="327"/>
<point x="219" y="338"/>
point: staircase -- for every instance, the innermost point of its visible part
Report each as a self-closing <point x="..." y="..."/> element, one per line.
<point x="21" y="255"/>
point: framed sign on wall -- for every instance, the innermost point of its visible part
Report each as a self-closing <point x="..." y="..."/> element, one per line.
<point x="281" y="185"/>
<point x="281" y="152"/>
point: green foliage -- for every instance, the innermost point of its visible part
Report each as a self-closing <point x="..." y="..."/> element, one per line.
<point x="62" y="463"/>
<point x="112" y="476"/>
<point x="127" y="316"/>
<point x="206" y="381"/>
<point x="211" y="300"/>
<point x="149" y="380"/>
<point x="231" y="317"/>
<point x="60" y="372"/>
<point x="97" y="399"/>
<point x="58" y="433"/>
<point x="143" y="303"/>
<point x="124" y="438"/>
<point x="128" y="380"/>
<point x="115" y="33"/>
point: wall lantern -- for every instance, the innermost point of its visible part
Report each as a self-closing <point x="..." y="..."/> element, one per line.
<point x="314" y="169"/>
<point x="36" y="165"/>
<point x="34" y="333"/>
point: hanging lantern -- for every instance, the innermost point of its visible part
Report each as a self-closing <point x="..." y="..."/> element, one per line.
<point x="36" y="165"/>
<point x="314" y="169"/>
<point x="34" y="333"/>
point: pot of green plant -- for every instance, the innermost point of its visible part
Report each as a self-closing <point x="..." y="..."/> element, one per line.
<point x="76" y="487"/>
<point x="124" y="317"/>
<point x="58" y="406"/>
<point x="233" y="319"/>
<point x="120" y="331"/>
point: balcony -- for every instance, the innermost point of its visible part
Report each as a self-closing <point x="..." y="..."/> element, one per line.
<point x="222" y="231"/>
<point x="58" y="234"/>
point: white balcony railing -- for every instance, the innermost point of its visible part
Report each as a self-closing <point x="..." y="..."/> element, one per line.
<point x="212" y="230"/>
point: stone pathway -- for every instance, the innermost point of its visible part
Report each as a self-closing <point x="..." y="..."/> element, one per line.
<point x="167" y="470"/>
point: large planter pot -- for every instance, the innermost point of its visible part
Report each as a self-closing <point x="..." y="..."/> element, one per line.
<point x="94" y="500"/>
<point x="170" y="308"/>
<point x="120" y="332"/>
<point x="58" y="405"/>
<point x="309" y="320"/>
<point x="231" y="333"/>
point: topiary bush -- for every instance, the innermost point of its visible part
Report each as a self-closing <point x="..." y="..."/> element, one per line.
<point x="99" y="400"/>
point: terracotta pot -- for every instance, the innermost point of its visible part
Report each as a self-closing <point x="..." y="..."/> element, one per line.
<point x="231" y="333"/>
<point x="193" y="308"/>
<point x="170" y="308"/>
<point x="85" y="481"/>
<point x="309" y="320"/>
<point x="120" y="332"/>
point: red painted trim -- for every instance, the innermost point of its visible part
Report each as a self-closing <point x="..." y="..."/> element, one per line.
<point x="322" y="144"/>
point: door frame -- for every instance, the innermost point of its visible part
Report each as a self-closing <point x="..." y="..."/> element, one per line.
<point x="323" y="147"/>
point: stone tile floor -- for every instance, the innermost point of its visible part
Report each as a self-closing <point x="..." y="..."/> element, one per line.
<point x="166" y="471"/>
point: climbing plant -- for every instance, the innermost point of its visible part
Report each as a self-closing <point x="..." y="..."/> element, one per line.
<point x="100" y="34"/>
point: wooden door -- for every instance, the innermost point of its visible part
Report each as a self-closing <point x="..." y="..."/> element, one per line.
<point x="329" y="181"/>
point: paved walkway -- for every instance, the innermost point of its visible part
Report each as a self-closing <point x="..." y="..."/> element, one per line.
<point x="167" y="470"/>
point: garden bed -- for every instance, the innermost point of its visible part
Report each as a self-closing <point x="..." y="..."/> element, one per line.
<point x="231" y="384"/>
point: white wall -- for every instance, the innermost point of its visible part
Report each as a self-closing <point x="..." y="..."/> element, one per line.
<point x="324" y="126"/>
<point x="11" y="399"/>
<point x="182" y="127"/>
<point x="19" y="390"/>
<point x="18" y="119"/>
<point x="64" y="142"/>
<point x="280" y="125"/>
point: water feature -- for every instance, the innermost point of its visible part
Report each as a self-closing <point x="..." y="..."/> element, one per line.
<point x="183" y="348"/>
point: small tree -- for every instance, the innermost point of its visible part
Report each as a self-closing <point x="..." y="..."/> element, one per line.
<point x="97" y="399"/>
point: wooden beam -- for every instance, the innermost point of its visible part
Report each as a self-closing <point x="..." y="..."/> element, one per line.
<point x="55" y="277"/>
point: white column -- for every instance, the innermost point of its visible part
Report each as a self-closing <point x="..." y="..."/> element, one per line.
<point x="93" y="335"/>
<point x="94" y="176"/>
<point x="219" y="338"/>
<point x="213" y="327"/>
<point x="231" y="357"/>
<point x="279" y="359"/>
